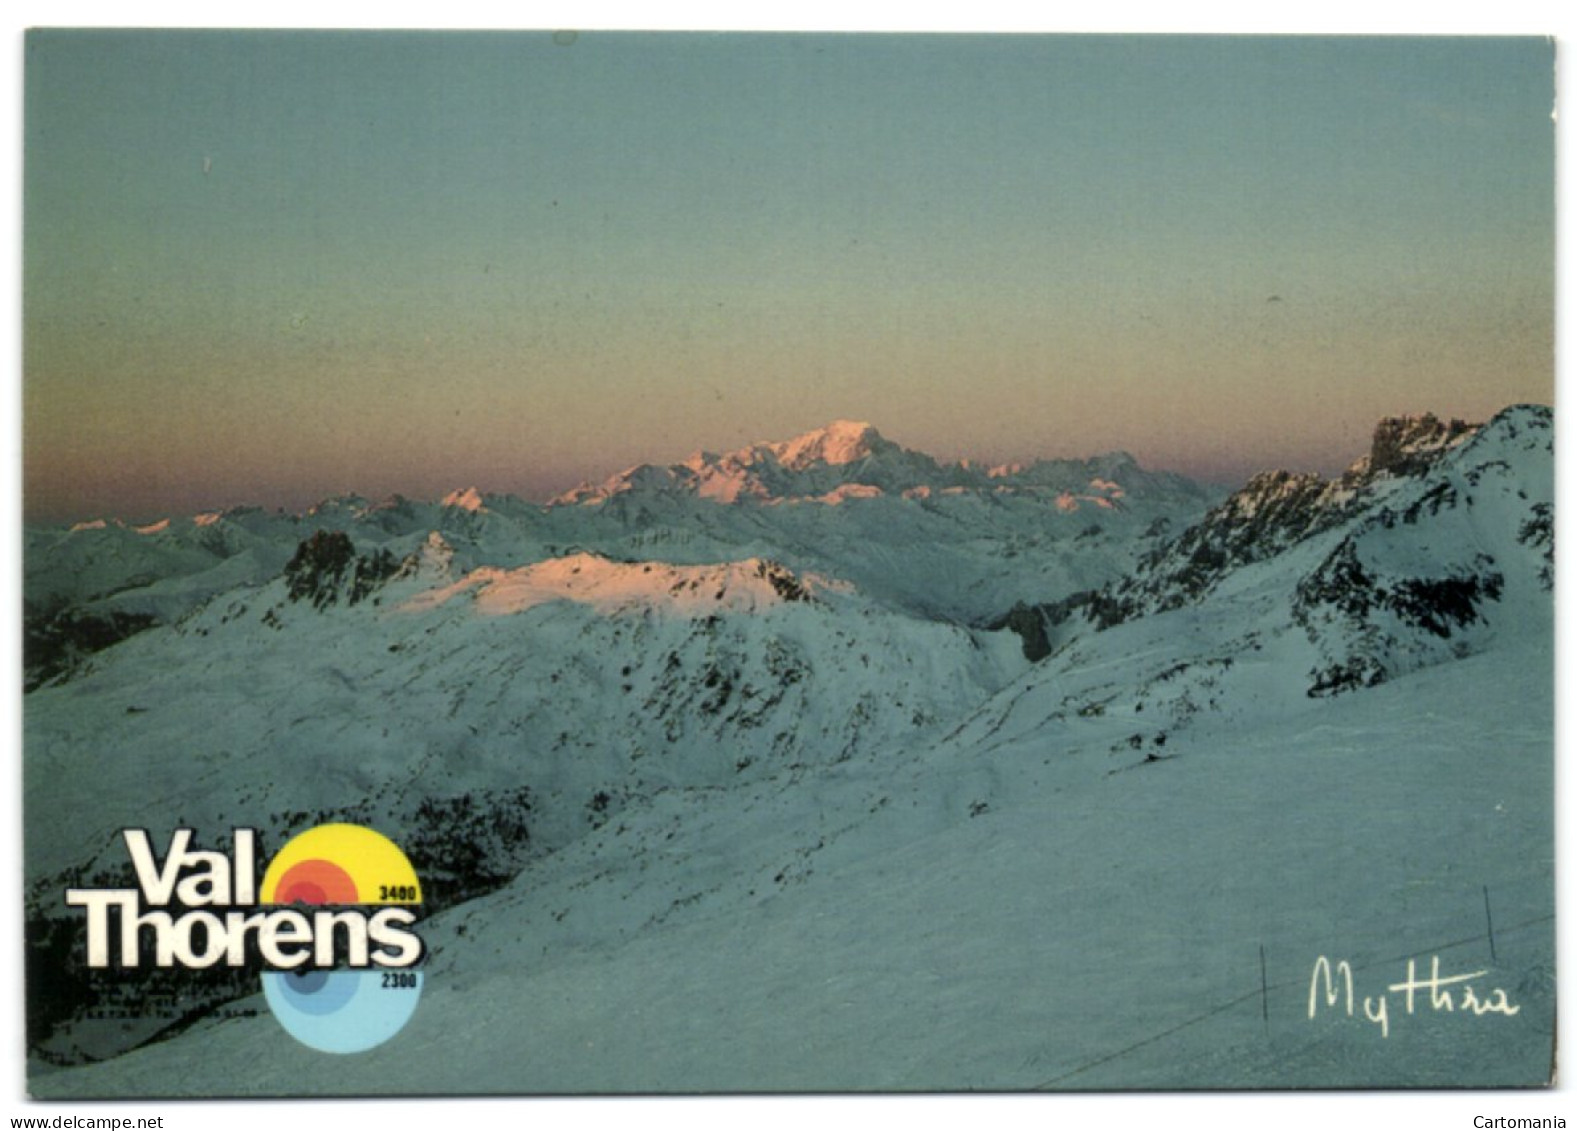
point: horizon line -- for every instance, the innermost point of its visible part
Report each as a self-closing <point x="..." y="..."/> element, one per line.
<point x="135" y="517"/>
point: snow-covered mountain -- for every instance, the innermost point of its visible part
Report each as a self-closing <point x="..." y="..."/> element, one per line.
<point x="1374" y="581"/>
<point x="1278" y="509"/>
<point x="851" y="459"/>
<point x="704" y="800"/>
<point x="943" y="542"/>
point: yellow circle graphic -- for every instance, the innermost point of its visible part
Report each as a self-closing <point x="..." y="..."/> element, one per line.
<point x="371" y="860"/>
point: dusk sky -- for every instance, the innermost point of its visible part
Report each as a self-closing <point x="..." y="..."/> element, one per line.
<point x="270" y="267"/>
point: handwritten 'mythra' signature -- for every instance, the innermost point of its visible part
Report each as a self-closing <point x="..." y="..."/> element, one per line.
<point x="1334" y="984"/>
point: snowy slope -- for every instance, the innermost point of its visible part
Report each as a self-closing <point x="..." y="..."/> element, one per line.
<point x="491" y="682"/>
<point x="1018" y="917"/>
<point x="743" y="827"/>
<point x="541" y="701"/>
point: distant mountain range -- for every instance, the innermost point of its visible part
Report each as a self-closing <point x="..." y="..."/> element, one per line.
<point x="852" y="460"/>
<point x="915" y="522"/>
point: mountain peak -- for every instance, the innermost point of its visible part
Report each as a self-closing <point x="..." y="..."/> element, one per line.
<point x="840" y="442"/>
<point x="747" y="585"/>
<point x="1406" y="444"/>
<point x="467" y="499"/>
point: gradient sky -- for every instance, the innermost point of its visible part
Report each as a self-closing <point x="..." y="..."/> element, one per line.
<point x="267" y="267"/>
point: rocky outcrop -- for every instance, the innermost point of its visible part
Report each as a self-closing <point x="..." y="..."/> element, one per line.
<point x="1407" y="445"/>
<point x="1410" y="555"/>
<point x="326" y="569"/>
<point x="55" y="646"/>
<point x="1276" y="510"/>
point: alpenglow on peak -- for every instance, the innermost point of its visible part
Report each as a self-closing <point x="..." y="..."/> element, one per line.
<point x="842" y="441"/>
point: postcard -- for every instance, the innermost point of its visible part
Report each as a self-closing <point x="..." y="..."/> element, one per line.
<point x="631" y="563"/>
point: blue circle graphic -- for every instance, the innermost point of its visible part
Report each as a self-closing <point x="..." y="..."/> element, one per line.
<point x="321" y="1019"/>
<point x="319" y="992"/>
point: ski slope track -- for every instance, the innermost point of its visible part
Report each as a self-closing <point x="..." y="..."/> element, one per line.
<point x="716" y="783"/>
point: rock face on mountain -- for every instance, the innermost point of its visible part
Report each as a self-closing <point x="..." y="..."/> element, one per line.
<point x="1391" y="566"/>
<point x="326" y="568"/>
<point x="1273" y="511"/>
<point x="1406" y="445"/>
<point x="1432" y="570"/>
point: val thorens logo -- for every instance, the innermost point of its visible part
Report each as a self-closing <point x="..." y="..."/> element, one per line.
<point x="341" y="978"/>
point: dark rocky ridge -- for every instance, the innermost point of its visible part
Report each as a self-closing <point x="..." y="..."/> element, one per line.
<point x="1272" y="512"/>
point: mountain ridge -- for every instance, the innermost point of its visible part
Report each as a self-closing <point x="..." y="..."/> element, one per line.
<point x="828" y="463"/>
